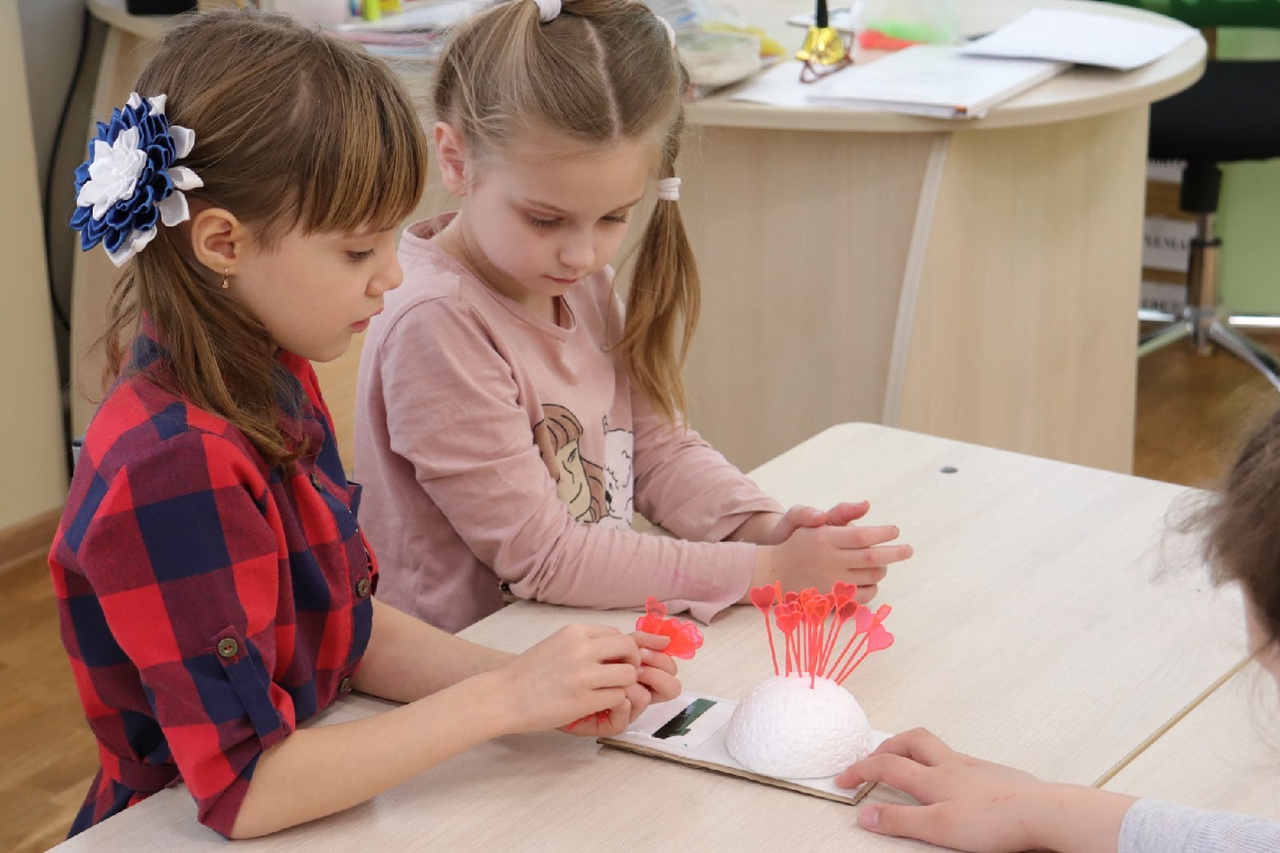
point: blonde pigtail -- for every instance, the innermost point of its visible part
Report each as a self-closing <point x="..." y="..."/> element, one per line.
<point x="663" y="302"/>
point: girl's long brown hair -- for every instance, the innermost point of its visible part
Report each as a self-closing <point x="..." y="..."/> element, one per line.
<point x="293" y="129"/>
<point x="1243" y="525"/>
<point x="602" y="72"/>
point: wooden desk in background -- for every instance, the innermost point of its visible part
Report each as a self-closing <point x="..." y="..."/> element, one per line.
<point x="977" y="280"/>
<point x="1031" y="629"/>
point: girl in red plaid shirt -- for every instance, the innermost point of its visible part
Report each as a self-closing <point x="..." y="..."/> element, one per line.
<point x="214" y="587"/>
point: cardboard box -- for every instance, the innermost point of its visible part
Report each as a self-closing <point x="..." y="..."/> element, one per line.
<point x="1167" y="231"/>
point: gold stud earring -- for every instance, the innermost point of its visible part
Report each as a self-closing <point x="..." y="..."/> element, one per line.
<point x="226" y="273"/>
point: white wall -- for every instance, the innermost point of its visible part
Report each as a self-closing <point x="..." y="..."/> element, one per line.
<point x="51" y="35"/>
<point x="51" y="31"/>
<point x="31" y="440"/>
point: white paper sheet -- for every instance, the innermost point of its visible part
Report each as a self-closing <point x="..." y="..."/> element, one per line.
<point x="778" y="86"/>
<point x="933" y="80"/>
<point x="1108" y="41"/>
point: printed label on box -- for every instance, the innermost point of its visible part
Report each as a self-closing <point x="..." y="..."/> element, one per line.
<point x="1159" y="296"/>
<point x="1165" y="171"/>
<point x="1166" y="243"/>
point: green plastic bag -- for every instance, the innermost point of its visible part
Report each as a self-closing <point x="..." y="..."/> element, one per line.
<point x="893" y="24"/>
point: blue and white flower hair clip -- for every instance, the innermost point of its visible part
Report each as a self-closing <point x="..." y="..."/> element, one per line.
<point x="130" y="180"/>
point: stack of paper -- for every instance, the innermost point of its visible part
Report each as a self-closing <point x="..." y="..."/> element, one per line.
<point x="966" y="81"/>
<point x="414" y="34"/>
<point x="933" y="80"/>
<point x="1109" y="41"/>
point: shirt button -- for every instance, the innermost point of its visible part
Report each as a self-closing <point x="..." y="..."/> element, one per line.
<point x="228" y="648"/>
<point x="362" y="587"/>
<point x="344" y="686"/>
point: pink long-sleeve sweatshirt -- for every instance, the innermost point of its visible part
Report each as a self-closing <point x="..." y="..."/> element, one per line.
<point x="496" y="447"/>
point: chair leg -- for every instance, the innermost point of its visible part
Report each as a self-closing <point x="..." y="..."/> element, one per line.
<point x="1165" y="335"/>
<point x="1199" y="320"/>
<point x="1247" y="350"/>
<point x="1151" y="315"/>
<point x="1202" y="284"/>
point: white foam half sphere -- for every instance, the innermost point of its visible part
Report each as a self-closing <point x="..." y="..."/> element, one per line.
<point x="788" y="729"/>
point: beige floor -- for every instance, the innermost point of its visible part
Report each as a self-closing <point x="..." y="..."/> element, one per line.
<point x="1191" y="414"/>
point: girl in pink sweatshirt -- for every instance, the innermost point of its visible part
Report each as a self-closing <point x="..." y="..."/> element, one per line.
<point x="512" y="417"/>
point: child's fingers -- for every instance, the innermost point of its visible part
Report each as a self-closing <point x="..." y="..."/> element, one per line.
<point x="612" y="675"/>
<point x="656" y="642"/>
<point x="658" y="660"/>
<point x="598" y="642"/>
<point x="639" y="698"/>
<point x="620" y="648"/>
<point x="927" y="823"/>
<point x="804" y="516"/>
<point x="866" y="592"/>
<point x="919" y="744"/>
<point x="862" y="557"/>
<point x="795" y="518"/>
<point x="846" y="512"/>
<point x="865" y="537"/>
<point x="663" y="686"/>
<point x="610" y="719"/>
<point x="868" y="559"/>
<point x="619" y="717"/>
<point x="614" y="719"/>
<point x="894" y="770"/>
<point x="868" y="576"/>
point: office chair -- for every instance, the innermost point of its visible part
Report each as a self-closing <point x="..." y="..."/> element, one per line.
<point x="1230" y="114"/>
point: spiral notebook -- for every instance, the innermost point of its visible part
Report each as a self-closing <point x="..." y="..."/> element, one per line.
<point x="933" y="80"/>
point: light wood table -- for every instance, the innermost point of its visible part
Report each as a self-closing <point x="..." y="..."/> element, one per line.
<point x="977" y="280"/>
<point x="1222" y="755"/>
<point x="1039" y="623"/>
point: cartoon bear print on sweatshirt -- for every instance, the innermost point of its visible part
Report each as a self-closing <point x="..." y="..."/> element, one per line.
<point x="594" y="494"/>
<point x="619" y="476"/>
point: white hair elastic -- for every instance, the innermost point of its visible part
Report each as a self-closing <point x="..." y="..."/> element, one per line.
<point x="668" y="189"/>
<point x="547" y="10"/>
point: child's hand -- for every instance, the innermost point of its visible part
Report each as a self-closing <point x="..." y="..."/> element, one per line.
<point x="965" y="802"/>
<point x="970" y="804"/>
<point x="655" y="682"/>
<point x="578" y="671"/>
<point x="819" y="556"/>
<point x="807" y="516"/>
<point x="657" y="671"/>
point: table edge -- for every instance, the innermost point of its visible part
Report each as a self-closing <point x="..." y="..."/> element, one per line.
<point x="1166" y="76"/>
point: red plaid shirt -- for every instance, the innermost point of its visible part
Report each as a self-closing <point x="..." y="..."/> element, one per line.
<point x="208" y="604"/>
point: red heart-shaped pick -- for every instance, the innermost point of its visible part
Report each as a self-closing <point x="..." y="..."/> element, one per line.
<point x="815" y="610"/>
<point x="686" y="640"/>
<point x="762" y="597"/>
<point x="878" y="639"/>
<point x="862" y="620"/>
<point x="844" y="590"/>
<point x="787" y="620"/>
<point x="848" y="610"/>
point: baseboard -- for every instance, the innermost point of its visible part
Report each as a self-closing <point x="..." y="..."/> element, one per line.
<point x="20" y="541"/>
<point x="1264" y="327"/>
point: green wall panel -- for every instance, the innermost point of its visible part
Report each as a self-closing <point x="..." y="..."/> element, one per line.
<point x="1249" y="212"/>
